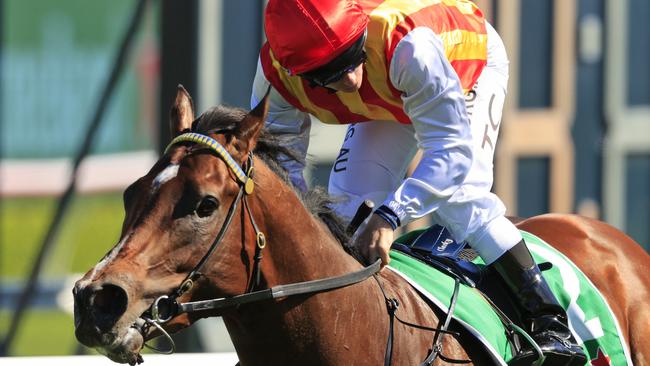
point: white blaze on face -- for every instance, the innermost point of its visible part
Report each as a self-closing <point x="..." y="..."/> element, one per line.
<point x="107" y="259"/>
<point x="165" y="176"/>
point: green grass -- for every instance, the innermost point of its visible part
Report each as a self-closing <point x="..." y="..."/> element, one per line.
<point x="90" y="228"/>
<point x="44" y="332"/>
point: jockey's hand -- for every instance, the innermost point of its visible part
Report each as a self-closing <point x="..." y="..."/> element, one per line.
<point x="375" y="239"/>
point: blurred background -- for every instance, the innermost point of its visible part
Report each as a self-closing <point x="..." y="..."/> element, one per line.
<point x="95" y="79"/>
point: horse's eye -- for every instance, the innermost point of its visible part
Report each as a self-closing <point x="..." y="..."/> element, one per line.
<point x="207" y="206"/>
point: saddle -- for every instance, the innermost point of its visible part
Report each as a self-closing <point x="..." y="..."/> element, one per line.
<point x="436" y="247"/>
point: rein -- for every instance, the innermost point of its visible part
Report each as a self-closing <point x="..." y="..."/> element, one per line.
<point x="299" y="288"/>
<point x="166" y="307"/>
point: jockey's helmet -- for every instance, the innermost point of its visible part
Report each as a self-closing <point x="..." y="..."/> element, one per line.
<point x="307" y="34"/>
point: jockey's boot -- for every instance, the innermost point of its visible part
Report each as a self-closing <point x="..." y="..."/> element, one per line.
<point x="543" y="316"/>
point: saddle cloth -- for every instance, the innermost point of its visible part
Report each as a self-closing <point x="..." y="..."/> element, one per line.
<point x="430" y="260"/>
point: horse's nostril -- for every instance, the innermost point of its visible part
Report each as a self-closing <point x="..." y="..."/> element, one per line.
<point x="108" y="304"/>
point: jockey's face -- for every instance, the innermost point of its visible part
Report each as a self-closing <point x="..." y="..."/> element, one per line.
<point x="344" y="73"/>
<point x="350" y="82"/>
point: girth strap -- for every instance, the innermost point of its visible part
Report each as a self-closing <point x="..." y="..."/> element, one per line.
<point x="436" y="349"/>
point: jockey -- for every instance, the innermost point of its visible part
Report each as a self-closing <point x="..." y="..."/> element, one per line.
<point x="406" y="75"/>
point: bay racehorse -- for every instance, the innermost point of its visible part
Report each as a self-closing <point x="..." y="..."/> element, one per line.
<point x="215" y="218"/>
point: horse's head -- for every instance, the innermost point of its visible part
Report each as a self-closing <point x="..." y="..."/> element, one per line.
<point x="172" y="216"/>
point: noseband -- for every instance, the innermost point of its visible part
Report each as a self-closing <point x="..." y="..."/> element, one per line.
<point x="166" y="307"/>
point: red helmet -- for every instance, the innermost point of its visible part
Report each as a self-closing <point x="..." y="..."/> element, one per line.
<point x="306" y="34"/>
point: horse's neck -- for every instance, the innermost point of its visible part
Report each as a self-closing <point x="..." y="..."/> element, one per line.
<point x="344" y="326"/>
<point x="299" y="248"/>
<point x="300" y="245"/>
<point x="302" y="330"/>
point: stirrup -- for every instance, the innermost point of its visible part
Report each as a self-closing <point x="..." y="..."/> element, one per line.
<point x="534" y="358"/>
<point x="534" y="355"/>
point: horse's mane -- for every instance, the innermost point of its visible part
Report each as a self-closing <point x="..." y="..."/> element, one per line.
<point x="271" y="148"/>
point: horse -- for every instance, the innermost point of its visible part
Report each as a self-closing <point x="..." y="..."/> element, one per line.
<point x="216" y="221"/>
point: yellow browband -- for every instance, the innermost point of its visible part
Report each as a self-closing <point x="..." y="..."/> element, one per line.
<point x="208" y="141"/>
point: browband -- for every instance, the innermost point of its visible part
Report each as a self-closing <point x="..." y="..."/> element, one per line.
<point x="220" y="150"/>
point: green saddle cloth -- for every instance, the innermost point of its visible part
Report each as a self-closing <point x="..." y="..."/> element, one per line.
<point x="590" y="317"/>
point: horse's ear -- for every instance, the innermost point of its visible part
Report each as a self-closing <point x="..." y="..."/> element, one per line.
<point x="250" y="127"/>
<point x="182" y="112"/>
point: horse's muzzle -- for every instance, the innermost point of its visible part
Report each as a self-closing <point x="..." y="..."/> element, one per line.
<point x="97" y="309"/>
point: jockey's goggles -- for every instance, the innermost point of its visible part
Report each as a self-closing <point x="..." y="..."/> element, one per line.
<point x="336" y="69"/>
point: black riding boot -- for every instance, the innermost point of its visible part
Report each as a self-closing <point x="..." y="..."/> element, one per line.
<point x="543" y="316"/>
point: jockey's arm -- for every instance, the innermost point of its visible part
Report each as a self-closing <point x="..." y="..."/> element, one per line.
<point x="433" y="99"/>
<point x="283" y="119"/>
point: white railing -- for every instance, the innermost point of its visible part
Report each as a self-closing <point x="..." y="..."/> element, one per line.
<point x="51" y="176"/>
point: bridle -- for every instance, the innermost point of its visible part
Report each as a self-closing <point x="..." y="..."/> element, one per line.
<point x="166" y="307"/>
<point x="162" y="310"/>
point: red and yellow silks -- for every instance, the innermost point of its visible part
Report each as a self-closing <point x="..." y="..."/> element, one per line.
<point x="459" y="24"/>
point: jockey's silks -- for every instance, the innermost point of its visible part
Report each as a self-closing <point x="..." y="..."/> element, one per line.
<point x="459" y="24"/>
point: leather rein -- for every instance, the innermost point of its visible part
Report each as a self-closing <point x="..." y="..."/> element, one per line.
<point x="166" y="307"/>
